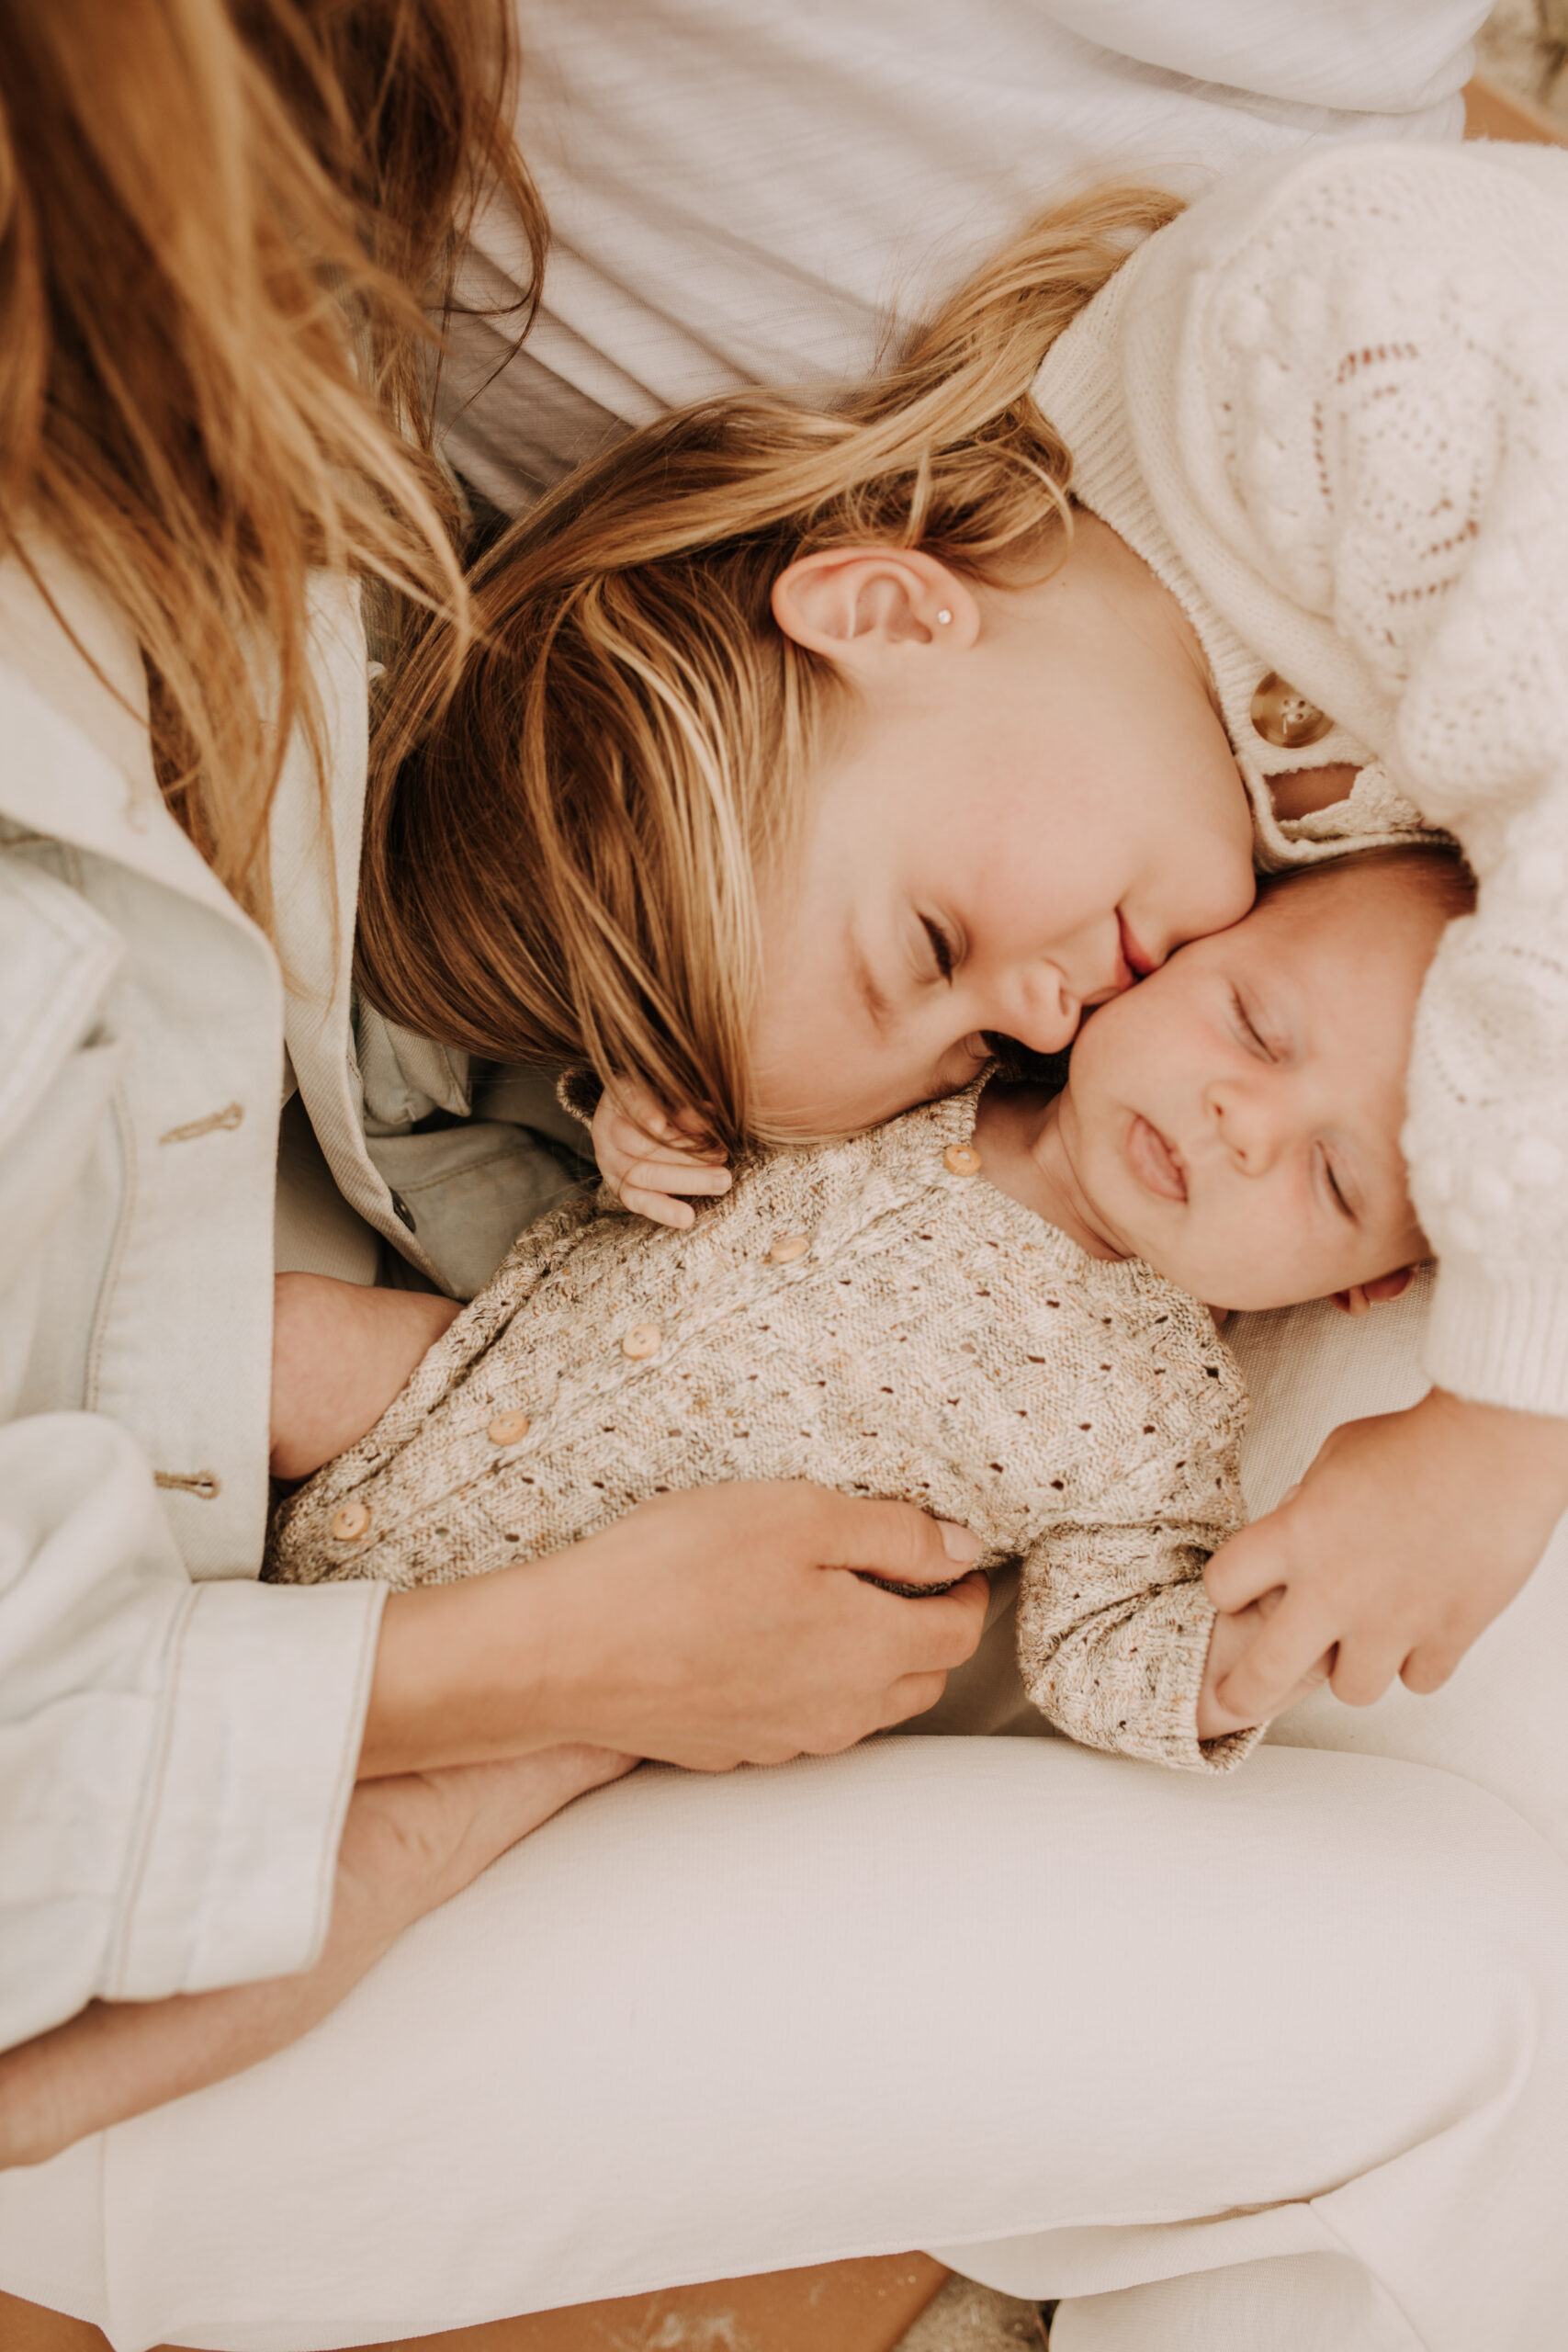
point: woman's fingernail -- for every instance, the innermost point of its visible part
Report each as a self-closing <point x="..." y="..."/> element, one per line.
<point x="958" y="1542"/>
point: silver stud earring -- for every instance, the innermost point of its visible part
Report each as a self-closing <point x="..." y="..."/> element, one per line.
<point x="944" y="616"/>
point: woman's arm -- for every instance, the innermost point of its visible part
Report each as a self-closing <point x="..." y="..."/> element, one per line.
<point x="707" y="1629"/>
<point x="1406" y="1536"/>
<point x="701" y="1628"/>
<point x="178" y="1755"/>
<point x="704" y="1628"/>
<point x="408" y="1845"/>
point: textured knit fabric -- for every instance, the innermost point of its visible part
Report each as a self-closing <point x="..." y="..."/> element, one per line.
<point x="1329" y="406"/>
<point x="872" y="1315"/>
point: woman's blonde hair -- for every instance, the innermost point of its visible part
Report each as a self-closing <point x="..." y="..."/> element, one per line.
<point x="221" y="223"/>
<point x="562" y="851"/>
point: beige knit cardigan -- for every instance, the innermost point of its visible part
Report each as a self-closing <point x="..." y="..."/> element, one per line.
<point x="872" y="1315"/>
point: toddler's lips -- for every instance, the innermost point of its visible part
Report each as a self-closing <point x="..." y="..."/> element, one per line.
<point x="1153" y="1161"/>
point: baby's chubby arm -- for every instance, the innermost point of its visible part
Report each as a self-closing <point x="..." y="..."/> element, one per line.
<point x="1121" y="1649"/>
<point x="1115" y="1643"/>
<point x="340" y="1353"/>
<point x="649" y="1156"/>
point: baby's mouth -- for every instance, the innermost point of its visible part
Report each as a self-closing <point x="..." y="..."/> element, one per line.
<point x="1154" y="1161"/>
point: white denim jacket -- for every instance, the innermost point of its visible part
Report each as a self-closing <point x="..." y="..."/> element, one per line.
<point x="177" y="1742"/>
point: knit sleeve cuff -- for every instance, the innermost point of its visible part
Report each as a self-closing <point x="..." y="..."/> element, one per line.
<point x="1167" y="1732"/>
<point x="1130" y="1682"/>
<point x="1500" y="1335"/>
<point x="579" y="1090"/>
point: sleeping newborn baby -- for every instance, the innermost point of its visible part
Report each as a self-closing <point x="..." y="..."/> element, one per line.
<point x="996" y="1306"/>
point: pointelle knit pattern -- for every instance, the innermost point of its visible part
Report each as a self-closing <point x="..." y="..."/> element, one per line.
<point x="872" y="1315"/>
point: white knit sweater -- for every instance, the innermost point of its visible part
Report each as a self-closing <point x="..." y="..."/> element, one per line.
<point x="1329" y="406"/>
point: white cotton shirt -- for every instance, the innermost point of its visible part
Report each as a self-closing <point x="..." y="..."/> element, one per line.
<point x="177" y="1742"/>
<point x="747" y="191"/>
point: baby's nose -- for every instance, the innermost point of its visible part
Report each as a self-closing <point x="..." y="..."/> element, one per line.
<point x="1245" y="1127"/>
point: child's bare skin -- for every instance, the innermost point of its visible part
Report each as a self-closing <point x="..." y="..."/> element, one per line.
<point x="1234" y="1122"/>
<point x="1264" y="1060"/>
<point x="340" y="1353"/>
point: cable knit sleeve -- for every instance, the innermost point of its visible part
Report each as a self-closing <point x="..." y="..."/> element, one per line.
<point x="1347" y="387"/>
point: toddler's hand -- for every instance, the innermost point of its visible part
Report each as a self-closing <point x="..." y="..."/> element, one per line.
<point x="648" y="1154"/>
<point x="1407" y="1535"/>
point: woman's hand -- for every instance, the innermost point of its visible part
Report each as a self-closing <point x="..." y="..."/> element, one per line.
<point x="648" y="1154"/>
<point x="1408" y="1535"/>
<point x="408" y="1845"/>
<point x="707" y="1629"/>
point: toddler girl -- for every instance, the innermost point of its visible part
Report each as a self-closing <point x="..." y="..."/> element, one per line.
<point x="990" y="1307"/>
<point x="790" y="768"/>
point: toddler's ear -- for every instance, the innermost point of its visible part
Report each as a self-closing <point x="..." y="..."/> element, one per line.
<point x="1362" y="1297"/>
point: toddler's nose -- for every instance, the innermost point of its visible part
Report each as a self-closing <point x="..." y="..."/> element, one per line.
<point x="1047" y="1012"/>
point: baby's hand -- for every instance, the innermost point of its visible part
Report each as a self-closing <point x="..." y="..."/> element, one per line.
<point x="1233" y="1636"/>
<point x="646" y="1154"/>
<point x="1407" y="1535"/>
<point x="340" y="1353"/>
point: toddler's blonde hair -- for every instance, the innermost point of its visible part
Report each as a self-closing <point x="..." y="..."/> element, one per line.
<point x="562" y="853"/>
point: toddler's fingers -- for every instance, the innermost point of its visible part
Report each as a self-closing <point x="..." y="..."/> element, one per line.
<point x="690" y="1125"/>
<point x="1288" y="1647"/>
<point x="1429" y="1668"/>
<point x="1365" y="1667"/>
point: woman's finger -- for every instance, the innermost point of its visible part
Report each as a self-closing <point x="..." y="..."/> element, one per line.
<point x="911" y="1695"/>
<point x="1429" y="1666"/>
<point x="940" y="1631"/>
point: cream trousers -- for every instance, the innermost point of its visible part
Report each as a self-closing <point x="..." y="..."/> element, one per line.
<point x="1280" y="2061"/>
